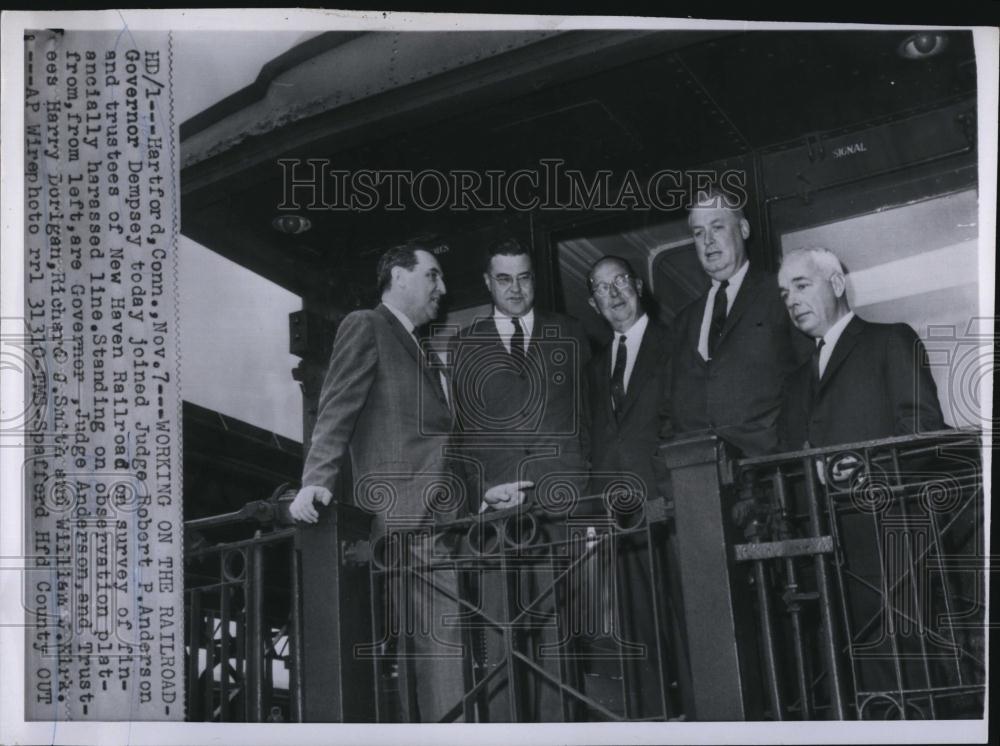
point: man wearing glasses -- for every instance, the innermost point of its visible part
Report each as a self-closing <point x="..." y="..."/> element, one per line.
<point x="630" y="390"/>
<point x="520" y="399"/>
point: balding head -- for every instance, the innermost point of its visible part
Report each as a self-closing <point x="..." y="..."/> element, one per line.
<point x="813" y="285"/>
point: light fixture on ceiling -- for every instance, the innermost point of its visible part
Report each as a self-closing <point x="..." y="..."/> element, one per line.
<point x="291" y="224"/>
<point x="922" y="45"/>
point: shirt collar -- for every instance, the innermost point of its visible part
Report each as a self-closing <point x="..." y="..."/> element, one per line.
<point x="834" y="332"/>
<point x="735" y="281"/>
<point x="527" y="321"/>
<point x="633" y="335"/>
<point x="403" y="318"/>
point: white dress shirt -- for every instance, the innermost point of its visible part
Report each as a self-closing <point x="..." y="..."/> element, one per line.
<point x="633" y="338"/>
<point x="706" y="320"/>
<point x="830" y="340"/>
<point x="505" y="327"/>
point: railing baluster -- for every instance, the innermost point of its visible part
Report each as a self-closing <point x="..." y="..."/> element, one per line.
<point x="781" y="494"/>
<point x="224" y="591"/>
<point x="915" y="579"/>
<point x="195" y="623"/>
<point x="659" y="617"/>
<point x="208" y="694"/>
<point x="255" y="642"/>
<point x="767" y="639"/>
<point x="295" y="637"/>
<point x="825" y="597"/>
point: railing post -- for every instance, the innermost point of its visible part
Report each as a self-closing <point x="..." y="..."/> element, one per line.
<point x="337" y="685"/>
<point x="716" y="598"/>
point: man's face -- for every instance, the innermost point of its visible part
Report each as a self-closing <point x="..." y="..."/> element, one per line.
<point x="719" y="235"/>
<point x="511" y="283"/>
<point x="618" y="305"/>
<point x="421" y="288"/>
<point x="811" y="298"/>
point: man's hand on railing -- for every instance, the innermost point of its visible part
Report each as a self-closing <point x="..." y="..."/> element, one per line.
<point x="505" y="495"/>
<point x="303" y="508"/>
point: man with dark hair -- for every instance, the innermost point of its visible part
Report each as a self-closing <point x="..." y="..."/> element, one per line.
<point x="630" y="397"/>
<point x="734" y="345"/>
<point x="403" y="256"/>
<point x="518" y="386"/>
<point x="382" y="404"/>
<point x="519" y="392"/>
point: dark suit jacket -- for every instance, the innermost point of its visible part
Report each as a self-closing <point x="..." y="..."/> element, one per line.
<point x="738" y="394"/>
<point x="629" y="443"/>
<point x="385" y="407"/>
<point x="529" y="421"/>
<point x="875" y="385"/>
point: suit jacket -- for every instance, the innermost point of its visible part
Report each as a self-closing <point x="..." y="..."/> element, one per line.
<point x="529" y="421"/>
<point x="382" y="404"/>
<point x="628" y="443"/>
<point x="876" y="384"/>
<point x="738" y="394"/>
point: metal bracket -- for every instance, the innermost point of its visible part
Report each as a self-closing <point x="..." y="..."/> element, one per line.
<point x="788" y="548"/>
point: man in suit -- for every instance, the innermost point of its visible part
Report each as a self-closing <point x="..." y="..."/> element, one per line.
<point x="519" y="389"/>
<point x="630" y="390"/>
<point x="734" y="345"/>
<point x="519" y="392"/>
<point x="864" y="380"/>
<point x="383" y="405"/>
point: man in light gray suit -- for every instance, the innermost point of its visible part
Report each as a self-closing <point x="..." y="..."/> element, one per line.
<point x="388" y="408"/>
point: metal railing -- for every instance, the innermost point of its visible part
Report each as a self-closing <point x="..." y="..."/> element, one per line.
<point x="545" y="604"/>
<point x="243" y="631"/>
<point x="837" y="583"/>
<point x="868" y="571"/>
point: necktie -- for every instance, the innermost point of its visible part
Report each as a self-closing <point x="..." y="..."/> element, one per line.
<point x="517" y="340"/>
<point x="814" y="378"/>
<point x="718" y="317"/>
<point x="618" y="376"/>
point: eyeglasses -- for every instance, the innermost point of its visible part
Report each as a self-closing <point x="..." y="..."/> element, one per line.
<point x="505" y="281"/>
<point x="620" y="282"/>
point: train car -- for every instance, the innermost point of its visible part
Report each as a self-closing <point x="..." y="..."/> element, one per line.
<point x="582" y="144"/>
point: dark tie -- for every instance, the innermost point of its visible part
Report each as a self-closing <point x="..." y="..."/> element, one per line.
<point x="618" y="376"/>
<point x="517" y="340"/>
<point x="718" y="318"/>
<point x="814" y="377"/>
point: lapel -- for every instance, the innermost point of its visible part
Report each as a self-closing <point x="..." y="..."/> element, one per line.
<point x="847" y="342"/>
<point x="603" y="388"/>
<point x="533" y="349"/>
<point x="485" y="340"/>
<point x="643" y="368"/>
<point x="693" y="334"/>
<point x="540" y="321"/>
<point x="745" y="298"/>
<point x="484" y="329"/>
<point x="430" y="372"/>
